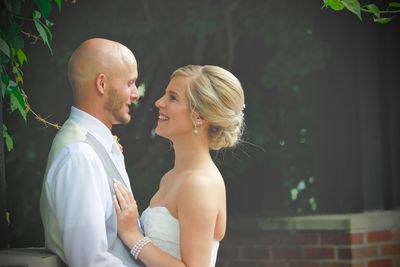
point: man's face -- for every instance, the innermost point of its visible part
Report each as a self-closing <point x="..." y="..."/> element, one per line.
<point x="121" y="92"/>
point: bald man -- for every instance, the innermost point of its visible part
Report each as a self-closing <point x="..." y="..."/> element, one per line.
<point x="76" y="203"/>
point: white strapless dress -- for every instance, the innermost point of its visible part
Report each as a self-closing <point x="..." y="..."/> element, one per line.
<point x="163" y="229"/>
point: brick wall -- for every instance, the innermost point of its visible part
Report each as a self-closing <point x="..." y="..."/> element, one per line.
<point x="316" y="241"/>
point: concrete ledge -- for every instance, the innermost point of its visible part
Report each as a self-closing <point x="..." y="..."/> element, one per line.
<point x="29" y="257"/>
<point x="358" y="222"/>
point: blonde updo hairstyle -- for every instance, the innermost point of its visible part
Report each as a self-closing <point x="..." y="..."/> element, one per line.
<point x="216" y="95"/>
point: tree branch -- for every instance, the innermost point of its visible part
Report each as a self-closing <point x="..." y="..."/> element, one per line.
<point x="35" y="38"/>
<point x="381" y="11"/>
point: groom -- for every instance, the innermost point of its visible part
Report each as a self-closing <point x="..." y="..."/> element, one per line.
<point x="76" y="202"/>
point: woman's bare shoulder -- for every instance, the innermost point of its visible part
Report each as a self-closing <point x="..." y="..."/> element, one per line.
<point x="201" y="178"/>
<point x="199" y="183"/>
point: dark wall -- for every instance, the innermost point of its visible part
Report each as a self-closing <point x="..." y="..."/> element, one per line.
<point x="358" y="117"/>
<point x="322" y="98"/>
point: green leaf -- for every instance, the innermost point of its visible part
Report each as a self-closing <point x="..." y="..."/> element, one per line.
<point x="11" y="84"/>
<point x="46" y="28"/>
<point x="44" y="7"/>
<point x="353" y="6"/>
<point x="19" y="78"/>
<point x="3" y="88"/>
<point x="58" y="3"/>
<point x="49" y="23"/>
<point x="18" y="101"/>
<point x="374" y="9"/>
<point x="7" y="139"/>
<point x="21" y="57"/>
<point x="384" y="20"/>
<point x="334" y="4"/>
<point x="44" y="33"/>
<point x="13" y="36"/>
<point x="5" y="80"/>
<point x="394" y="4"/>
<point x="36" y="14"/>
<point x="13" y="101"/>
<point x="4" y="47"/>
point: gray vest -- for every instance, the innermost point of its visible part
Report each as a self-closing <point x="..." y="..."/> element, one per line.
<point x="71" y="133"/>
<point x="115" y="245"/>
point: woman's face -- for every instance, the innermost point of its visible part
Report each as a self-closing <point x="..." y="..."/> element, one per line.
<point x="174" y="111"/>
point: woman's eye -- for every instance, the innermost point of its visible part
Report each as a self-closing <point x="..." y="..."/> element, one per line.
<point x="172" y="97"/>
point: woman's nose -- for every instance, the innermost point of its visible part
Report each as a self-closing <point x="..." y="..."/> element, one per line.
<point x="159" y="103"/>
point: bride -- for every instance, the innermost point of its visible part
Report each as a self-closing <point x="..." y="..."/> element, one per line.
<point x="202" y="109"/>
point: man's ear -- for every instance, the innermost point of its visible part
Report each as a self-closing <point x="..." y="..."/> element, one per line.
<point x="101" y="83"/>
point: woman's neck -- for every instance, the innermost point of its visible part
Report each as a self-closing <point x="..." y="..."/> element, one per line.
<point x="190" y="155"/>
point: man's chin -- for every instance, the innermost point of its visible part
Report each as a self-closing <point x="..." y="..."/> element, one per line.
<point x="123" y="120"/>
<point x="126" y="120"/>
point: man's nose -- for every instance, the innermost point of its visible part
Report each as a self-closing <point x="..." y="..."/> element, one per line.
<point x="135" y="94"/>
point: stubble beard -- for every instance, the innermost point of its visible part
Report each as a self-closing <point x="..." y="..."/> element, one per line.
<point x="114" y="106"/>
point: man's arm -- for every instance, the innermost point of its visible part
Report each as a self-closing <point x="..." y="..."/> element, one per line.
<point x="79" y="194"/>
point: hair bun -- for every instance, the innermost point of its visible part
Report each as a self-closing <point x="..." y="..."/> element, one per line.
<point x="217" y="95"/>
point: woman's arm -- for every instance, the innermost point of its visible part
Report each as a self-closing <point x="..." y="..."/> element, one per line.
<point x="199" y="201"/>
<point x="127" y="215"/>
<point x="197" y="212"/>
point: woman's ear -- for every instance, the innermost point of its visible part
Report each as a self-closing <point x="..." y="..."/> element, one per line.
<point x="101" y="83"/>
<point x="198" y="120"/>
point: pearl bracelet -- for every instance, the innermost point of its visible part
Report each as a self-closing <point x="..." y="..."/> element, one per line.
<point x="137" y="248"/>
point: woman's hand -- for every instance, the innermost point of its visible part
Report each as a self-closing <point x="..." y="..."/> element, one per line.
<point x="127" y="215"/>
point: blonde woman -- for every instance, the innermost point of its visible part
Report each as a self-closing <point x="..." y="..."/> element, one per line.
<point x="202" y="109"/>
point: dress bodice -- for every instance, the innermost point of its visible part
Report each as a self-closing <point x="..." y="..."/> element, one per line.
<point x="163" y="229"/>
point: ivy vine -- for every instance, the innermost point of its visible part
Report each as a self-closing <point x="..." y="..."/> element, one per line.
<point x="21" y="21"/>
<point x="381" y="16"/>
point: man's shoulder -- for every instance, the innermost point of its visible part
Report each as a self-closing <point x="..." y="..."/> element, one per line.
<point x="70" y="133"/>
<point x="78" y="152"/>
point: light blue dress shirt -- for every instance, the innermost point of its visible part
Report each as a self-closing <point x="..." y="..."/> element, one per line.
<point x="76" y="206"/>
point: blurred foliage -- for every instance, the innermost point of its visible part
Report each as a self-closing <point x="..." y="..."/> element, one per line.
<point x="279" y="96"/>
<point x="379" y="15"/>
<point x="274" y="56"/>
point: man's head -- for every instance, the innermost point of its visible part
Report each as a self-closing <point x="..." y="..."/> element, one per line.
<point x="103" y="74"/>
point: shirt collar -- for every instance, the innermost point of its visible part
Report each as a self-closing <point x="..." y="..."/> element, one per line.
<point x="94" y="126"/>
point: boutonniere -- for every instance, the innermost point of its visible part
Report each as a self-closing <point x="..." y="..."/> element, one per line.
<point x="116" y="139"/>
